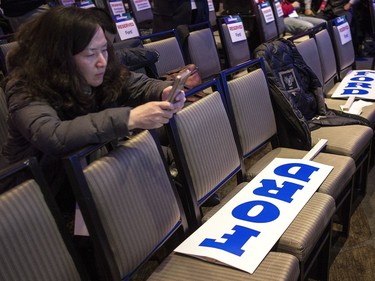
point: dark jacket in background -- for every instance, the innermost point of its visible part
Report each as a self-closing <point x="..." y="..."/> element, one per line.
<point x="168" y="14"/>
<point x="335" y="8"/>
<point x="297" y="95"/>
<point x="236" y="6"/>
<point x="16" y="8"/>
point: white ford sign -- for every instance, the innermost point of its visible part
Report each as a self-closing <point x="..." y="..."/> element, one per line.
<point x="244" y="230"/>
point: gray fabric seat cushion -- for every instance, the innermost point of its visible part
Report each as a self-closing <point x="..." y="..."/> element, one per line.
<point x="275" y="267"/>
<point x="303" y="233"/>
<point x="223" y="201"/>
<point x="334" y="184"/>
<point x="350" y="140"/>
<point x="330" y="90"/>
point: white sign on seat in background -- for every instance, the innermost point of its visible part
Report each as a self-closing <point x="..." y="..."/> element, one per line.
<point x="141" y="5"/>
<point x="235" y="27"/>
<point x="126" y="26"/>
<point x="245" y="229"/>
<point x="344" y="29"/>
<point x="357" y="83"/>
<point x="266" y="9"/>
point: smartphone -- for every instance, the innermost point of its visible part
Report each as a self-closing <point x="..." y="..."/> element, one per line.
<point x="178" y="85"/>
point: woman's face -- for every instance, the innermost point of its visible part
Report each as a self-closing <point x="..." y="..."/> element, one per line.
<point x="92" y="61"/>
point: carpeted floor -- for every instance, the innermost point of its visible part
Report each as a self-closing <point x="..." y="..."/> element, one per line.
<point x="356" y="258"/>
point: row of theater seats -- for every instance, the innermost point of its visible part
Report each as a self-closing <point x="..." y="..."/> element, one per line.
<point x="132" y="207"/>
<point x="330" y="63"/>
<point x="322" y="51"/>
<point x="334" y="62"/>
<point x="202" y="50"/>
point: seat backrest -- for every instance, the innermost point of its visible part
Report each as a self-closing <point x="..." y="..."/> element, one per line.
<point x="265" y="19"/>
<point x="140" y="13"/>
<point x="203" y="52"/>
<point x="372" y="15"/>
<point x="137" y="59"/>
<point x="327" y="59"/>
<point x="345" y="54"/>
<point x="212" y="15"/>
<point x="279" y="17"/>
<point x="309" y="51"/>
<point x="235" y="52"/>
<point x="169" y="49"/>
<point x="251" y="110"/>
<point x="120" y="18"/>
<point x="204" y="147"/>
<point x="32" y="244"/>
<point x="3" y="118"/>
<point x="4" y="50"/>
<point x="128" y="202"/>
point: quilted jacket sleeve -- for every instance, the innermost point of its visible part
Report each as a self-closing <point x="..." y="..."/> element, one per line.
<point x="139" y="89"/>
<point x="37" y="125"/>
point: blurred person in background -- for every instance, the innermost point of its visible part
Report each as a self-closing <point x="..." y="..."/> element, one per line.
<point x="294" y="22"/>
<point x="168" y="14"/>
<point x="18" y="12"/>
<point x="330" y="9"/>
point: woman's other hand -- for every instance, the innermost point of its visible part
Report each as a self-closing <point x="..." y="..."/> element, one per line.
<point x="179" y="102"/>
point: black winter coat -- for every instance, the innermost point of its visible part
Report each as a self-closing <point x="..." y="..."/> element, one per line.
<point x="297" y="95"/>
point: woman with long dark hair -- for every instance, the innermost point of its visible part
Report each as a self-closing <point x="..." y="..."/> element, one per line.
<point x="66" y="90"/>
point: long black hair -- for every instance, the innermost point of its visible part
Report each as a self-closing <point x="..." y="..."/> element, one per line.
<point x="43" y="59"/>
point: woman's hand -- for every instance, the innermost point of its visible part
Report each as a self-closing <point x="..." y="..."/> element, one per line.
<point x="309" y="12"/>
<point x="296" y="5"/>
<point x="179" y="102"/>
<point x="154" y="114"/>
<point x="150" y="115"/>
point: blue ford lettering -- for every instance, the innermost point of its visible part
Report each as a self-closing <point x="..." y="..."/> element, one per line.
<point x="263" y="211"/>
<point x="234" y="242"/>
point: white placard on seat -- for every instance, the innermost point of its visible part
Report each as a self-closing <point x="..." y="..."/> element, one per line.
<point x="357" y="83"/>
<point x="245" y="229"/>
